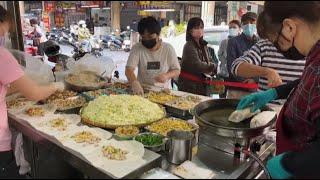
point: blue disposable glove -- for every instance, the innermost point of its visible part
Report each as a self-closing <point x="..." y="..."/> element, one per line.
<point x="275" y="168"/>
<point x="259" y="99"/>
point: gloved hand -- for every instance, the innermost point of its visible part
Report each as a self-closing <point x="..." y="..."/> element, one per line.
<point x="259" y="99"/>
<point x="59" y="86"/>
<point x="276" y="169"/>
<point x="136" y="88"/>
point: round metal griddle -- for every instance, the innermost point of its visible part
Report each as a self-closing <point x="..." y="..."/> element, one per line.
<point x="213" y="116"/>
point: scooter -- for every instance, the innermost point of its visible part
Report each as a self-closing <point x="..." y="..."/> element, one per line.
<point x="53" y="35"/>
<point x="78" y="52"/>
<point x="126" y="44"/>
<point x="115" y="44"/>
<point x="66" y="37"/>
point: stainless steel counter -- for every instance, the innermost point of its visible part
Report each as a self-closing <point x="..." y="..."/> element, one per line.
<point x="42" y="148"/>
<point x="39" y="144"/>
<point x="221" y="163"/>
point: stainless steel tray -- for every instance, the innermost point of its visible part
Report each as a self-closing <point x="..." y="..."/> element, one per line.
<point x="179" y="113"/>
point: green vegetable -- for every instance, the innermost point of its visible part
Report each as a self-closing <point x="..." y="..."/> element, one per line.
<point x="150" y="139"/>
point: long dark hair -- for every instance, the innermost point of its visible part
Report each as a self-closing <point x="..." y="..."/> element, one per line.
<point x="194" y="22"/>
<point x="4" y="15"/>
<point x="276" y="11"/>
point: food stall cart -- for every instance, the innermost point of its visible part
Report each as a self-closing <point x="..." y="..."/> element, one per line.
<point x="215" y="153"/>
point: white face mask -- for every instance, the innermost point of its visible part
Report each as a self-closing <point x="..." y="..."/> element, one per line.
<point x="233" y="32"/>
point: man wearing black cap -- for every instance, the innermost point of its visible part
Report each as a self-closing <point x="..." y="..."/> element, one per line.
<point x="236" y="48"/>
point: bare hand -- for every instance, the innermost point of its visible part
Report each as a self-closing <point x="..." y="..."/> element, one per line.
<point x="136" y="88"/>
<point x="274" y="78"/>
<point x="161" y="78"/>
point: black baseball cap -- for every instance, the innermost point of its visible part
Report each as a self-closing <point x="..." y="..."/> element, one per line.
<point x="249" y="16"/>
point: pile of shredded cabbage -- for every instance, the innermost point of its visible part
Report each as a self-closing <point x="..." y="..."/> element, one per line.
<point x="122" y="110"/>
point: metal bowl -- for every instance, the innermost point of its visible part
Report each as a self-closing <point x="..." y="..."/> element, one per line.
<point x="122" y="138"/>
<point x="125" y="137"/>
<point x="156" y="148"/>
<point x="195" y="130"/>
<point x="83" y="88"/>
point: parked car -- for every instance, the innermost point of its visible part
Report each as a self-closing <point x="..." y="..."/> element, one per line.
<point x="214" y="35"/>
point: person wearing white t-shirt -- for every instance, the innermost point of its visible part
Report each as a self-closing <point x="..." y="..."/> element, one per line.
<point x="157" y="61"/>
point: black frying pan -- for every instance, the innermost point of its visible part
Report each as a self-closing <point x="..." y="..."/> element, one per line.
<point x="214" y="114"/>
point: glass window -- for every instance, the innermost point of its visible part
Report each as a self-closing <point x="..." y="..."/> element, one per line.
<point x="215" y="37"/>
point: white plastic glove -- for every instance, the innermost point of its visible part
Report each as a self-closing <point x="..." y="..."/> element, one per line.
<point x="59" y="86"/>
<point x="136" y="88"/>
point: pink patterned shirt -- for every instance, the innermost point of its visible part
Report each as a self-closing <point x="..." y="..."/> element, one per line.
<point x="10" y="71"/>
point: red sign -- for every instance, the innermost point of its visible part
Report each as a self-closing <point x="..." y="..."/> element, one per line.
<point x="46" y="22"/>
<point x="49" y="6"/>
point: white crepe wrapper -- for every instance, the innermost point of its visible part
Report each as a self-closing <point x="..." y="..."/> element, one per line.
<point x="241" y="115"/>
<point x="189" y="170"/>
<point x="44" y="126"/>
<point x="119" y="169"/>
<point x="19" y="109"/>
<point x="83" y="148"/>
<point x="49" y="110"/>
<point x="262" y="119"/>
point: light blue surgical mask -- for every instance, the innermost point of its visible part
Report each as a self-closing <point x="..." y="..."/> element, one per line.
<point x="233" y="32"/>
<point x="249" y="30"/>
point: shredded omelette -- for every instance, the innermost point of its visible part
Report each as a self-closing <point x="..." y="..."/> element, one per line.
<point x="113" y="153"/>
<point x="166" y="125"/>
<point x="36" y="111"/>
<point x="85" y="137"/>
<point x="122" y="110"/>
<point x="161" y="97"/>
<point x="59" y="124"/>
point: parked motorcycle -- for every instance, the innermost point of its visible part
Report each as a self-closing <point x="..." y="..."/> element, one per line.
<point x="115" y="43"/>
<point x="78" y="52"/>
<point x="53" y="35"/>
<point x="126" y="44"/>
<point x="125" y="35"/>
<point x="66" y="37"/>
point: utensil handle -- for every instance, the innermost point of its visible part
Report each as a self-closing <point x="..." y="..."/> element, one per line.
<point x="192" y="111"/>
<point x="167" y="144"/>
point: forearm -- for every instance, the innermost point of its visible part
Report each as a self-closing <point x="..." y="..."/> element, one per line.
<point x="203" y="67"/>
<point x="247" y="70"/>
<point x="31" y="90"/>
<point x="173" y="74"/>
<point x="130" y="75"/>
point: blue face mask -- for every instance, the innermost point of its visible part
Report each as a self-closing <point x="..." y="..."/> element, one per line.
<point x="249" y="30"/>
<point x="233" y="32"/>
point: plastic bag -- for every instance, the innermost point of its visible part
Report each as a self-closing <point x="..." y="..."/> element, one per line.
<point x="100" y="65"/>
<point x="37" y="70"/>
